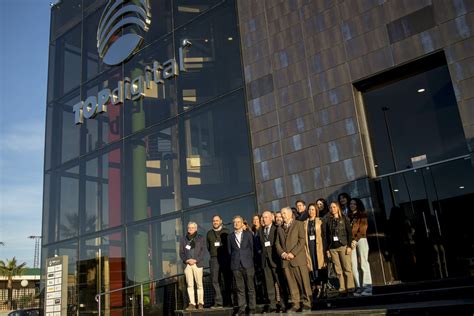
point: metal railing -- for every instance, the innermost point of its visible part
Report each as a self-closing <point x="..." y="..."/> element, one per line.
<point x="146" y="286"/>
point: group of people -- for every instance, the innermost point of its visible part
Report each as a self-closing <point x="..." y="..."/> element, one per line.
<point x="287" y="252"/>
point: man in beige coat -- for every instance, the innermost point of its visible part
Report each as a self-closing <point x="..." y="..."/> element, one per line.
<point x="291" y="247"/>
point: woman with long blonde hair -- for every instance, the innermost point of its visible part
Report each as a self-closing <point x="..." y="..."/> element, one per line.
<point x="338" y="239"/>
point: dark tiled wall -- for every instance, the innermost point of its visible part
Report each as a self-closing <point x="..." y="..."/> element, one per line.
<point x="301" y="58"/>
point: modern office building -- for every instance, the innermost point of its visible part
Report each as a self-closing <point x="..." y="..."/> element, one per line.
<point x="160" y="112"/>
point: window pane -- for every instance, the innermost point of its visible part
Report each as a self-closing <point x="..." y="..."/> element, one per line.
<point x="213" y="56"/>
<point x="92" y="64"/>
<point x="64" y="16"/>
<point x="65" y="63"/>
<point x="156" y="106"/>
<point x="70" y="138"/>
<point x="151" y="171"/>
<point x="161" y="20"/>
<point x="103" y="200"/>
<point x="69" y="204"/>
<point x="106" y="127"/>
<point x="216" y="160"/>
<point x="186" y="10"/>
<point x="101" y="268"/>
<point x="154" y="250"/>
<point x="414" y="117"/>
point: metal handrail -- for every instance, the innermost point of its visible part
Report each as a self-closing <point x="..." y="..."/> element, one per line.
<point x="465" y="157"/>
<point x="141" y="284"/>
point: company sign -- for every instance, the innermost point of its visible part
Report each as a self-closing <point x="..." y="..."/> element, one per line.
<point x="115" y="47"/>
<point x="116" y="43"/>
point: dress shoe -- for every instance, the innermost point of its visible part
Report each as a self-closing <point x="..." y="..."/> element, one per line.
<point x="201" y="306"/>
<point x="294" y="309"/>
<point x="271" y="309"/>
<point x="306" y="309"/>
<point x="191" y="307"/>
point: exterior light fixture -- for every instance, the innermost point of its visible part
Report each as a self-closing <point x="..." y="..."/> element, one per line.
<point x="461" y="187"/>
<point x="395" y="190"/>
<point x="186" y="43"/>
<point x="230" y="38"/>
<point x="421" y="90"/>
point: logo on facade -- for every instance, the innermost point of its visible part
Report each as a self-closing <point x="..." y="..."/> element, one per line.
<point x="120" y="24"/>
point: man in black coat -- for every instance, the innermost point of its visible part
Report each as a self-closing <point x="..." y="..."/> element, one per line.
<point x="220" y="261"/>
<point x="240" y="247"/>
<point x="191" y="252"/>
<point x="271" y="262"/>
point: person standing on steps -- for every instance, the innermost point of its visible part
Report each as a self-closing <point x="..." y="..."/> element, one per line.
<point x="219" y="262"/>
<point x="191" y="252"/>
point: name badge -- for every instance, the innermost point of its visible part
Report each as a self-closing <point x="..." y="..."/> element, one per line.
<point x="267" y="244"/>
<point x="312" y="237"/>
<point x="335" y="238"/>
<point x="217" y="244"/>
<point x="188" y="247"/>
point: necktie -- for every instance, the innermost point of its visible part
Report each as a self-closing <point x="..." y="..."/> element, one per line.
<point x="266" y="232"/>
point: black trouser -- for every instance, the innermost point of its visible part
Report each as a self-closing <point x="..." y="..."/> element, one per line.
<point x="223" y="272"/>
<point x="244" y="280"/>
<point x="271" y="278"/>
<point x="283" y="284"/>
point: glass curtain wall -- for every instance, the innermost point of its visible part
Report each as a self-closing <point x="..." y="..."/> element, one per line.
<point x="120" y="188"/>
<point x="424" y="177"/>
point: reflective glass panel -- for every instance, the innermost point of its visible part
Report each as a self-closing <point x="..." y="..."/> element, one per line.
<point x="154" y="250"/>
<point x="216" y="161"/>
<point x="101" y="268"/>
<point x="65" y="63"/>
<point x="422" y="216"/>
<point x="414" y="121"/>
<point x="159" y="104"/>
<point x="105" y="127"/>
<point x="68" y="212"/>
<point x="186" y="10"/>
<point x="92" y="64"/>
<point x="212" y="61"/>
<point x="152" y="173"/>
<point x="103" y="199"/>
<point x="64" y="16"/>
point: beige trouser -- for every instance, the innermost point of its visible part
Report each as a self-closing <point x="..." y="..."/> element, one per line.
<point x="343" y="267"/>
<point x="194" y="274"/>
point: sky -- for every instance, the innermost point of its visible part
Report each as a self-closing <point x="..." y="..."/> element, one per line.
<point x="24" y="37"/>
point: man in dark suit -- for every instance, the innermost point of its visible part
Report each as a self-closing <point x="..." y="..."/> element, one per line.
<point x="240" y="247"/>
<point x="271" y="262"/>
<point x="291" y="246"/>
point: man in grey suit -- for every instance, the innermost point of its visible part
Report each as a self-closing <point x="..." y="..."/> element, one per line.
<point x="291" y="246"/>
<point x="240" y="246"/>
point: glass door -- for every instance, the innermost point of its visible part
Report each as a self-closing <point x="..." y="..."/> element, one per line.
<point x="425" y="215"/>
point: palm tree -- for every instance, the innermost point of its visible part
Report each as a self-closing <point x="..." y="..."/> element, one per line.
<point x="9" y="270"/>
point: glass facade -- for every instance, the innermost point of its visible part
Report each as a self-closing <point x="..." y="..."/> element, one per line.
<point x="120" y="188"/>
<point x="423" y="174"/>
